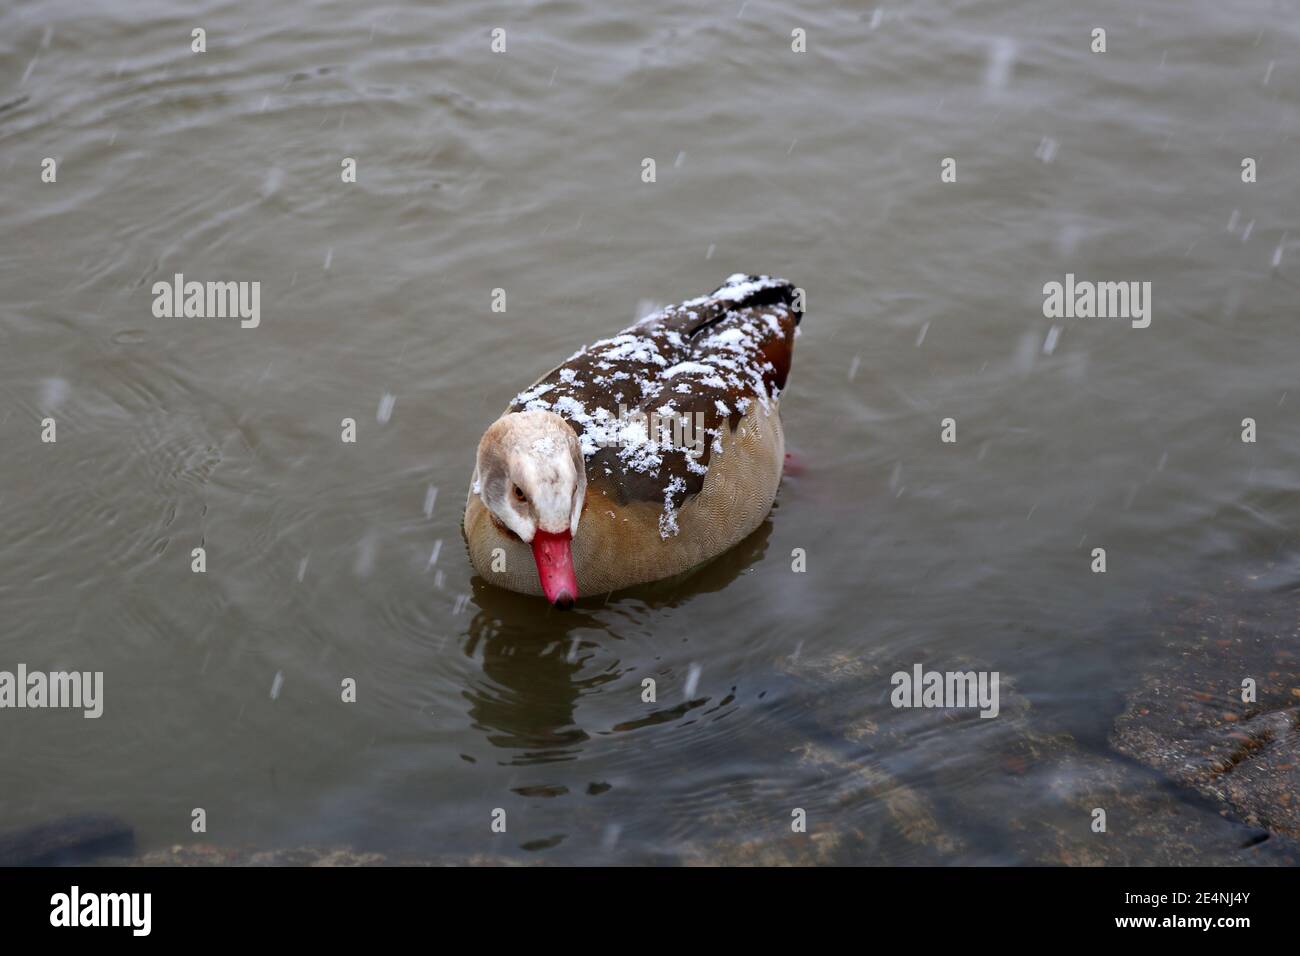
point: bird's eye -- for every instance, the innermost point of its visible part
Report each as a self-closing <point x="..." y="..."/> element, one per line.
<point x="519" y="495"/>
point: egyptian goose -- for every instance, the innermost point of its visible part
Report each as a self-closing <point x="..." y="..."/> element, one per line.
<point x="644" y="454"/>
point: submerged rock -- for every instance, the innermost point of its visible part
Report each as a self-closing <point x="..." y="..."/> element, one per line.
<point x="1191" y="718"/>
<point x="66" y="841"/>
<point x="206" y="854"/>
<point x="947" y="786"/>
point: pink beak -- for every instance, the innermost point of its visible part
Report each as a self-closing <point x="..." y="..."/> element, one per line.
<point x="555" y="567"/>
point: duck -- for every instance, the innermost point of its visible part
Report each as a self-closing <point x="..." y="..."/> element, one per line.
<point x="643" y="455"/>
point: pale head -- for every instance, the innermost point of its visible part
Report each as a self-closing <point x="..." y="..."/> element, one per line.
<point x="530" y="474"/>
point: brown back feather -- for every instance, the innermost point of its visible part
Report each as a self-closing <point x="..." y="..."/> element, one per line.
<point x="710" y="357"/>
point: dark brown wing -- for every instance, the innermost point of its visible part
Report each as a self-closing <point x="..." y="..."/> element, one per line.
<point x="707" y="359"/>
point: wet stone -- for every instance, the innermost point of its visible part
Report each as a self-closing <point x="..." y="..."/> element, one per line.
<point x="69" y="840"/>
<point x="1012" y="789"/>
<point x="1187" y="718"/>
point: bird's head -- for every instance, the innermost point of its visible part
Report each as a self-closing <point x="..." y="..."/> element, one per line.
<point x="531" y="476"/>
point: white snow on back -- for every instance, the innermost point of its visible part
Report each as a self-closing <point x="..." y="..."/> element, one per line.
<point x="696" y="367"/>
<point x="737" y="288"/>
<point x="536" y="391"/>
<point x="656" y="362"/>
<point x="668" y="520"/>
<point x="732" y="336"/>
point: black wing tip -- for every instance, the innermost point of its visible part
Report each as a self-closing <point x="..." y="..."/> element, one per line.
<point x="743" y="291"/>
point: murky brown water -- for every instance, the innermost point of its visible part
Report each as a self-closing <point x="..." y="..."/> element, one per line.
<point x="522" y="171"/>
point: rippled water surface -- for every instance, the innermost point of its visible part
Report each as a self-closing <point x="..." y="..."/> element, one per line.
<point x="522" y="171"/>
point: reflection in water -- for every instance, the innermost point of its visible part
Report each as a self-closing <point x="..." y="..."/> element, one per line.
<point x="531" y="681"/>
<point x="533" y="656"/>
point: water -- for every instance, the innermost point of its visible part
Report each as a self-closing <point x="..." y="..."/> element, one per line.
<point x="522" y="171"/>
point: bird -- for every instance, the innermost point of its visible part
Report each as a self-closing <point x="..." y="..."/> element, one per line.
<point x="643" y="455"/>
